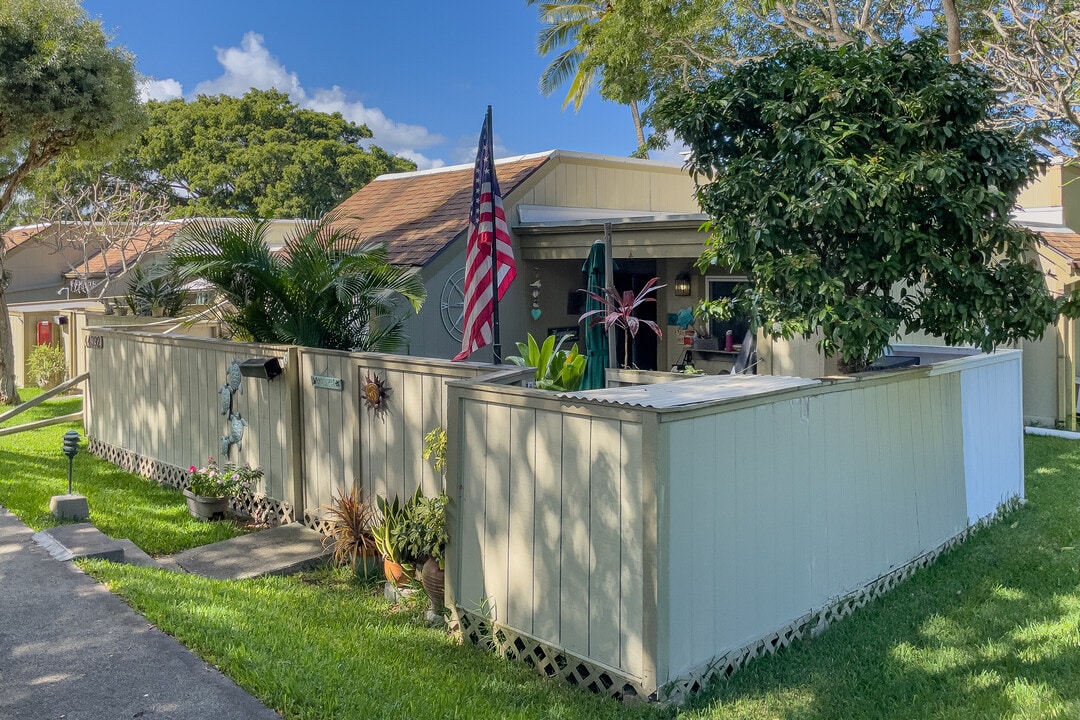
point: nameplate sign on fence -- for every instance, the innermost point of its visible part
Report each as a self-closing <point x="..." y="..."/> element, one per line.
<point x="95" y="342"/>
<point x="326" y="383"/>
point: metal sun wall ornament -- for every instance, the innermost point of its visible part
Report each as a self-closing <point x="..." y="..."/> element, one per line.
<point x="375" y="393"/>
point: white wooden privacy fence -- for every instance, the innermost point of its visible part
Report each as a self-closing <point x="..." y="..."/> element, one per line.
<point x="153" y="406"/>
<point x="641" y="540"/>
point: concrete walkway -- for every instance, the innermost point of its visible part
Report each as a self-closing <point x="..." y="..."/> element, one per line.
<point x="70" y="649"/>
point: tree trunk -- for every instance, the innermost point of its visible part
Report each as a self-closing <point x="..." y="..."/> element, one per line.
<point x="9" y="394"/>
<point x="952" y="30"/>
<point x="639" y="129"/>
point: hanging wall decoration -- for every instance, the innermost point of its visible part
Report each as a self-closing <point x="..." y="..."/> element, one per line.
<point x="375" y="393"/>
<point x="236" y="423"/>
<point x="535" y="285"/>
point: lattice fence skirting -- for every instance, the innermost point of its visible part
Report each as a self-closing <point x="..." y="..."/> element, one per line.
<point x="813" y="623"/>
<point x="548" y="660"/>
<point x="555" y="662"/>
<point x="260" y="507"/>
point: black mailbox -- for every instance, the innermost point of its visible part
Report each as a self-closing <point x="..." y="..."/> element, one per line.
<point x="262" y="368"/>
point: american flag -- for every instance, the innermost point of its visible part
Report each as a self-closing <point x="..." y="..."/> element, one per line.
<point x="487" y="222"/>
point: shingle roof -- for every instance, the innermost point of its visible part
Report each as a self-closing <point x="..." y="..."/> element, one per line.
<point x="17" y="237"/>
<point x="418" y="214"/>
<point x="152" y="238"/>
<point x="1065" y="242"/>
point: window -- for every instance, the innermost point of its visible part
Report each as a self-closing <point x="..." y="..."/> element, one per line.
<point x="720" y="287"/>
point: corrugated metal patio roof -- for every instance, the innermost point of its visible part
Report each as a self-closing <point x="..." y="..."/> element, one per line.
<point x="692" y="391"/>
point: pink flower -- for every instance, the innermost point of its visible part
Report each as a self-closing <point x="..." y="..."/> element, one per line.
<point x="191" y="469"/>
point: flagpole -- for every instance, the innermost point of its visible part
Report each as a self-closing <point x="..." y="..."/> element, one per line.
<point x="496" y="344"/>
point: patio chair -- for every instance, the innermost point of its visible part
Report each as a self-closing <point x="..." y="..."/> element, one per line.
<point x="747" y="359"/>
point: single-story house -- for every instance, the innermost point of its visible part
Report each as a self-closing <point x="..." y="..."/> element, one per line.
<point x="36" y="261"/>
<point x="556" y="204"/>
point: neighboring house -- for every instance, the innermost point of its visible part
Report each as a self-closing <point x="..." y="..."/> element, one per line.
<point x="556" y="205"/>
<point x="101" y="273"/>
<point x="35" y="264"/>
<point x="1051" y="207"/>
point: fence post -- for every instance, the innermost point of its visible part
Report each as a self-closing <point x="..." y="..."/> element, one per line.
<point x="295" y="488"/>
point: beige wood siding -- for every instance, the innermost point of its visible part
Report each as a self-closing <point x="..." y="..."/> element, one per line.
<point x="549" y="540"/>
<point x="345" y="442"/>
<point x="157" y="396"/>
<point x="1045" y="191"/>
<point x="590" y="183"/>
<point x="777" y="508"/>
<point x="652" y="542"/>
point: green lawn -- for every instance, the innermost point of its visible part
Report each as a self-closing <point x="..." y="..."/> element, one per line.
<point x="122" y="505"/>
<point x="992" y="630"/>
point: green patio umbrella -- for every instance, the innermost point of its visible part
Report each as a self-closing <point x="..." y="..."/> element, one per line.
<point x="596" y="343"/>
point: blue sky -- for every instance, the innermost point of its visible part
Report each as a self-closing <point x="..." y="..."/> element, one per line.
<point x="419" y="74"/>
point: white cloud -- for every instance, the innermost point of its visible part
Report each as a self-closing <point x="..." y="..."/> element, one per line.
<point x="252" y="66"/>
<point x="386" y="131"/>
<point x="150" y="89"/>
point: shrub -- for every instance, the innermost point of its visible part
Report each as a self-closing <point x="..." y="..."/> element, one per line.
<point x="46" y="365"/>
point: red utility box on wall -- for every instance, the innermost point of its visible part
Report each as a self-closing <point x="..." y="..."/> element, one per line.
<point x="44" y="332"/>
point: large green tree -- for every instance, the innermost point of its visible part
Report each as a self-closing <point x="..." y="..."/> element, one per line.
<point x="644" y="46"/>
<point x="863" y="196"/>
<point x="63" y="89"/>
<point x="260" y="155"/>
<point x="326" y="289"/>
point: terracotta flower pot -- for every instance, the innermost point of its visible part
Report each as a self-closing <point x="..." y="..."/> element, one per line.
<point x="396" y="574"/>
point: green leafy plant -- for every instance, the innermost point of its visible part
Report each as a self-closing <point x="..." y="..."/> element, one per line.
<point x="46" y="365"/>
<point x="864" y="195"/>
<point x="154" y="288"/>
<point x="328" y="288"/>
<point x="435" y="448"/>
<point x="423" y="533"/>
<point x="556" y="369"/>
<point x="351" y="519"/>
<point x="227" y="481"/>
<point x="617" y="309"/>
<point x="389" y="530"/>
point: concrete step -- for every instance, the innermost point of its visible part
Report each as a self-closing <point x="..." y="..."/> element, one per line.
<point x="79" y="541"/>
<point x="282" y="550"/>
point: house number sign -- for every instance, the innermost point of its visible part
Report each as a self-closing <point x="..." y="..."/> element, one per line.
<point x="95" y="342"/>
<point x="326" y="383"/>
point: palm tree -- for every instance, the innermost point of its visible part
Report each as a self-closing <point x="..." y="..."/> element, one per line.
<point x="564" y="22"/>
<point x="325" y="289"/>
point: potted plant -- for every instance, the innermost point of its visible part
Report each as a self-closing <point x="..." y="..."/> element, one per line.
<point x="351" y="519"/>
<point x="617" y="309"/>
<point x="424" y="538"/>
<point x="556" y="369"/>
<point x="388" y="540"/>
<point x="210" y="488"/>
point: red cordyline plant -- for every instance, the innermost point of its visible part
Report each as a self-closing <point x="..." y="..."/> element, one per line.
<point x="617" y="309"/>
